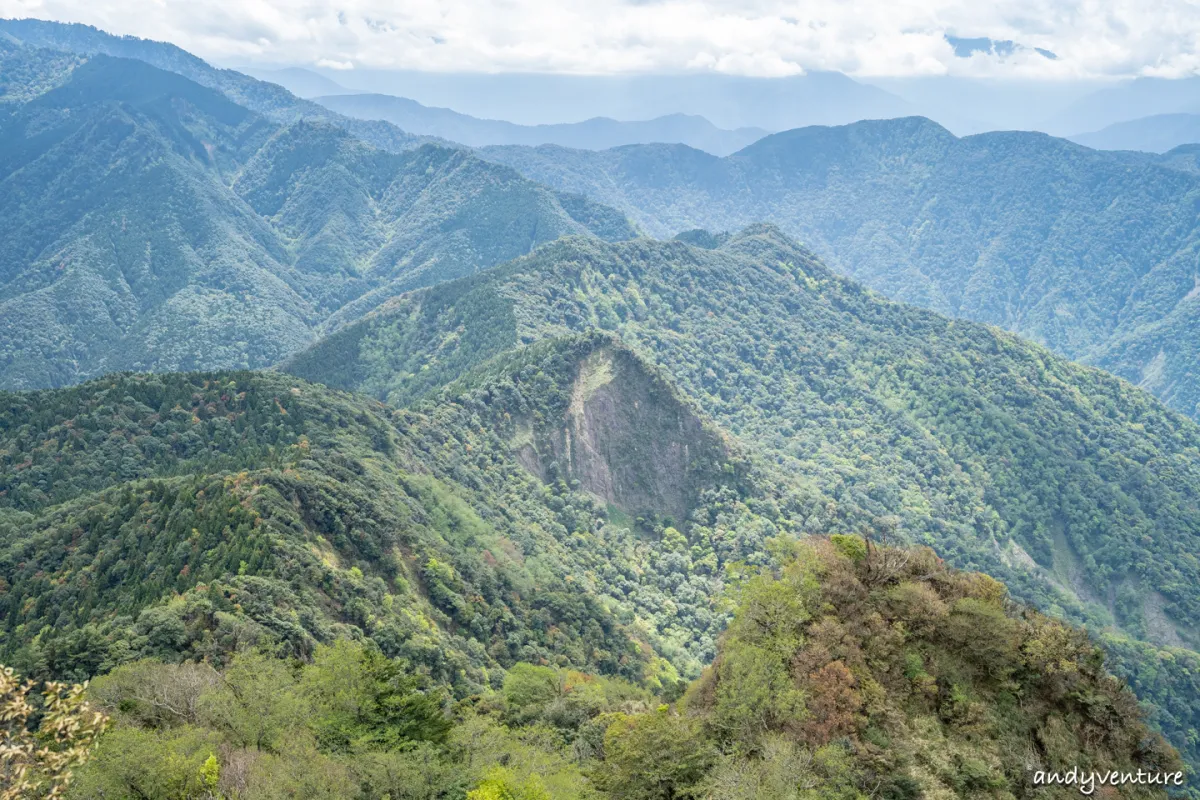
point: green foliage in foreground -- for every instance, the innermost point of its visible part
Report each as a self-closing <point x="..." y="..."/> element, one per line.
<point x="852" y="671"/>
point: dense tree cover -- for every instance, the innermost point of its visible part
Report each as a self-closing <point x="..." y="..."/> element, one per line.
<point x="26" y="72"/>
<point x="851" y="671"/>
<point x="1075" y="488"/>
<point x="187" y="516"/>
<point x="348" y="723"/>
<point x="150" y="223"/>
<point x="930" y="682"/>
<point x="1090" y="253"/>
<point x="978" y="444"/>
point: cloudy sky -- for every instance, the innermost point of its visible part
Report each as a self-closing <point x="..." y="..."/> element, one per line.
<point x="1090" y="38"/>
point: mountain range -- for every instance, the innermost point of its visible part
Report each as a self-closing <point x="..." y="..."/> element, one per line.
<point x="475" y="491"/>
<point x="511" y="543"/>
<point x="996" y="453"/>
<point x="194" y="233"/>
<point x="594" y="134"/>
<point x="1130" y="100"/>
<point x="727" y="101"/>
<point x="1089" y="253"/>
<point x="267" y="99"/>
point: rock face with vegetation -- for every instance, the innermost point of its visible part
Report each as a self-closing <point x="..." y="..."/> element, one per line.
<point x="190" y="516"/>
<point x="147" y="222"/>
<point x="625" y="436"/>
<point x="1092" y="254"/>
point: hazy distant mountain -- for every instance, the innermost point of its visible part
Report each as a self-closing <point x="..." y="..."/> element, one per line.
<point x="299" y="81"/>
<point x="1071" y="247"/>
<point x="977" y="105"/>
<point x="1156" y="134"/>
<point x="728" y="101"/>
<point x="1129" y="100"/>
<point x="593" y="134"/>
<point x="149" y="223"/>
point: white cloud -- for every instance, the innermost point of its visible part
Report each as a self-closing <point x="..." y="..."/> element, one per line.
<point x="756" y="37"/>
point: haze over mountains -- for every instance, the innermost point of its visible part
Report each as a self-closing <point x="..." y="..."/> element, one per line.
<point x="593" y="134"/>
<point x="727" y="101"/>
<point x="262" y="97"/>
<point x="299" y="81"/>
<point x="1156" y="134"/>
<point x="540" y="474"/>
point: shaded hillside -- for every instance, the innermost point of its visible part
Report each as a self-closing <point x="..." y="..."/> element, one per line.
<point x="598" y="133"/>
<point x="149" y="223"/>
<point x="1075" y="488"/>
<point x="26" y="72"/>
<point x="1072" y="248"/>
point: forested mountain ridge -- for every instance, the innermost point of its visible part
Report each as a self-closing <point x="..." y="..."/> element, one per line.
<point x="263" y="97"/>
<point x="1075" y="488"/>
<point x="1076" y="249"/>
<point x="186" y="515"/>
<point x="150" y="223"/>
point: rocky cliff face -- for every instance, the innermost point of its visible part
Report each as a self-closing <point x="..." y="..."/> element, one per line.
<point x="623" y="433"/>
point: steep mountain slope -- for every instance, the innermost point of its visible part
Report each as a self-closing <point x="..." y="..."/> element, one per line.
<point x="860" y="398"/>
<point x="184" y="515"/>
<point x="1155" y="134"/>
<point x="525" y="515"/>
<point x="26" y="72"/>
<point x="599" y="133"/>
<point x="149" y="223"/>
<point x="1073" y="487"/>
<point x="1070" y="247"/>
<point x="938" y="684"/>
<point x="268" y="99"/>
